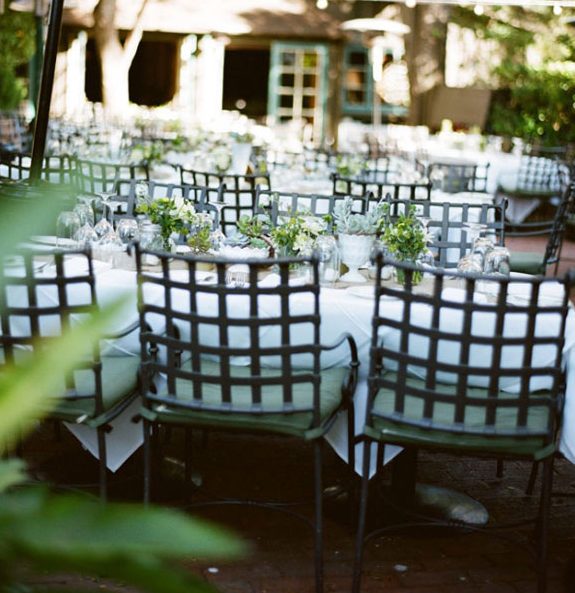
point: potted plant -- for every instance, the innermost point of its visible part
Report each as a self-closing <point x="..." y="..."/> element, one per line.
<point x="173" y="215"/>
<point x="406" y="240"/>
<point x="356" y="234"/>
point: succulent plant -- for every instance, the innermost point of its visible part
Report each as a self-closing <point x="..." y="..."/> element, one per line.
<point x="371" y="223"/>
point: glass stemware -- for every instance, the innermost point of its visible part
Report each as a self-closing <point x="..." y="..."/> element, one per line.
<point x="67" y="226"/>
<point x="127" y="230"/>
<point x="329" y="259"/>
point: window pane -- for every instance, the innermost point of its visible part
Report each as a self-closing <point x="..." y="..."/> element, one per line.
<point x="357" y="58"/>
<point x="286" y="101"/>
<point x="309" y="80"/>
<point x="287" y="80"/>
<point x="287" y="58"/>
<point x="309" y="60"/>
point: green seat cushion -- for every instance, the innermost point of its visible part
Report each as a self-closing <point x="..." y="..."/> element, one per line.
<point x="467" y="437"/>
<point x="527" y="262"/>
<point x="119" y="380"/>
<point x="295" y="423"/>
<point x="513" y="191"/>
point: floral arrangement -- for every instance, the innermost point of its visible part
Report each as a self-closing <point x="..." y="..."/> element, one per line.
<point x="296" y="235"/>
<point x="221" y="157"/>
<point x="293" y="235"/>
<point x="349" y="165"/>
<point x="242" y="137"/>
<point x="173" y="215"/>
<point x="406" y="238"/>
<point x="148" y="152"/>
<point x="372" y="222"/>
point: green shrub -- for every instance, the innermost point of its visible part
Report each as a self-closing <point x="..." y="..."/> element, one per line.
<point x="538" y="105"/>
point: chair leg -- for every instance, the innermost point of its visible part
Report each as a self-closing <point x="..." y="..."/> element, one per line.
<point x="499" y="471"/>
<point x="357" y="563"/>
<point x="147" y="460"/>
<point x="532" y="478"/>
<point x="543" y="525"/>
<point x="318" y="495"/>
<point x="102" y="454"/>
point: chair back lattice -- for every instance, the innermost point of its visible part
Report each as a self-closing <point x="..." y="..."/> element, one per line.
<point x="450" y="358"/>
<point x="362" y="185"/>
<point x="127" y="195"/>
<point x="232" y="346"/>
<point x="238" y="192"/>
<point x="540" y="169"/>
<point x="97" y="176"/>
<point x="42" y="295"/>
<point x="280" y="203"/>
<point x="559" y="225"/>
<point x="55" y="169"/>
<point x="451" y="225"/>
<point x="453" y="178"/>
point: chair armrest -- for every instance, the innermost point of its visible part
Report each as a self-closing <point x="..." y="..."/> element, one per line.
<point x="350" y="381"/>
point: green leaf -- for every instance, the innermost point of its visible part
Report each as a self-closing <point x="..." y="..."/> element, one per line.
<point x="120" y="541"/>
<point x="29" y="390"/>
<point x="12" y="472"/>
<point x="75" y="528"/>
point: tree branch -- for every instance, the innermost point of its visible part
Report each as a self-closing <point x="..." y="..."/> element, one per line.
<point x="135" y="35"/>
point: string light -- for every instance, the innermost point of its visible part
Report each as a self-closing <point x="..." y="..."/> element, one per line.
<point x="322" y="4"/>
<point x="557" y="9"/>
<point x="410" y="3"/>
<point x="479" y="10"/>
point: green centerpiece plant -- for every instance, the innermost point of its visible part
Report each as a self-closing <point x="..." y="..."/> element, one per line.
<point x="406" y="240"/>
<point x="356" y="234"/>
<point x="174" y="215"/>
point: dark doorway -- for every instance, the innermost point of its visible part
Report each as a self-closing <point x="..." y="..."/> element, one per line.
<point x="93" y="82"/>
<point x="153" y="76"/>
<point x="153" y="73"/>
<point x="246" y="73"/>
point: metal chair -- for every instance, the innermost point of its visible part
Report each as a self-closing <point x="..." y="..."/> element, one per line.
<point x="532" y="262"/>
<point x="280" y="203"/>
<point x="45" y="294"/>
<point x="449" y="225"/>
<point x="126" y="195"/>
<point x="238" y="356"/>
<point x="97" y="176"/>
<point x="238" y="192"/>
<point x="538" y="185"/>
<point x="361" y="185"/>
<point x="15" y="166"/>
<point x="460" y="371"/>
<point x="456" y="177"/>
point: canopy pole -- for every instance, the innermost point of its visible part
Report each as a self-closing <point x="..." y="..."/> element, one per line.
<point x="46" y="84"/>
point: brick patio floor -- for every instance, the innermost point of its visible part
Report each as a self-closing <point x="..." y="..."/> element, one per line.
<point x="280" y="558"/>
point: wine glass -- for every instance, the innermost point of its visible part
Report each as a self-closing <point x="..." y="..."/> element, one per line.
<point x="127" y="230"/>
<point x="85" y="213"/>
<point x="67" y="226"/>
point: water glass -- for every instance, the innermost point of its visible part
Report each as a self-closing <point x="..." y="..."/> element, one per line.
<point x="497" y="261"/>
<point x="329" y="259"/>
<point x="67" y="226"/>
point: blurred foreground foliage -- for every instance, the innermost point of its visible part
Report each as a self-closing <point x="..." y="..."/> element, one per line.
<point x="42" y="532"/>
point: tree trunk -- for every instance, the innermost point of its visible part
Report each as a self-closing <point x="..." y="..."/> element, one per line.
<point x="115" y="58"/>
<point x="425" y="54"/>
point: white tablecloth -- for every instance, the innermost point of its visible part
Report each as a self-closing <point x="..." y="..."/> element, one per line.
<point x="342" y="311"/>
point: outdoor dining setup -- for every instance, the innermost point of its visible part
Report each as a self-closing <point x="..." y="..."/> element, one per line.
<point x="326" y="285"/>
<point x="381" y="311"/>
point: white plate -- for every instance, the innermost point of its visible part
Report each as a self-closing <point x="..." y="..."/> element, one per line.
<point x="45" y="239"/>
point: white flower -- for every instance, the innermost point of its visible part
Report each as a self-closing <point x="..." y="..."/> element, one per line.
<point x="137" y="155"/>
<point x="303" y="243"/>
<point x="314" y="225"/>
